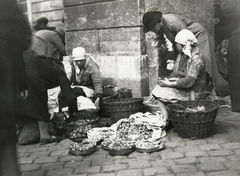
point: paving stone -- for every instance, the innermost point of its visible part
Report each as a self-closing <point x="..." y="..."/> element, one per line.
<point x="234" y="158"/>
<point x="212" y="159"/>
<point x="60" y="172"/>
<point x="125" y="160"/>
<point x="171" y="155"/>
<point x="59" y="153"/>
<point x="94" y="169"/>
<point x="52" y="166"/>
<point x="37" y="149"/>
<point x="223" y="173"/>
<point x="46" y="160"/>
<point x="183" y="168"/>
<point x="237" y="151"/>
<point x="39" y="154"/>
<point x="78" y="164"/>
<point x="232" y="145"/>
<point x="155" y="170"/>
<point x="210" y="147"/>
<point x="25" y="160"/>
<point x="135" y="172"/>
<point x="162" y="163"/>
<point x="102" y="174"/>
<point x="211" y="166"/>
<point x="23" y="154"/>
<point x="101" y="162"/>
<point x="191" y="174"/>
<point x="29" y="167"/>
<point x="175" y="144"/>
<point x="34" y="173"/>
<point x="71" y="158"/>
<point x="196" y="153"/>
<point x="195" y="142"/>
<point x="188" y="160"/>
<point x="114" y="167"/>
<point x="139" y="164"/>
<point x="233" y="165"/>
<point x="220" y="153"/>
<point x="186" y="148"/>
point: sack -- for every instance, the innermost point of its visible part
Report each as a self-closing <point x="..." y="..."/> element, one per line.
<point x="27" y="130"/>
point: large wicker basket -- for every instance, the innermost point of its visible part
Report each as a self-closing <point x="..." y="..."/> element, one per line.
<point x="123" y="108"/>
<point x="193" y="125"/>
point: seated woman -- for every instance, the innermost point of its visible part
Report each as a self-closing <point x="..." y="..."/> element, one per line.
<point x="188" y="77"/>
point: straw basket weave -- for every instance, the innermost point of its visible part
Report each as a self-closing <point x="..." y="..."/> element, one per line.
<point x="193" y="125"/>
<point x="123" y="108"/>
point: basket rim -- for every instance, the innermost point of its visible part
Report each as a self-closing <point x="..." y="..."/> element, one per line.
<point x="216" y="106"/>
<point x="119" y="101"/>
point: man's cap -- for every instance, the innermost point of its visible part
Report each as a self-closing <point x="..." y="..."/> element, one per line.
<point x="150" y="19"/>
<point x="78" y="53"/>
<point x="42" y="20"/>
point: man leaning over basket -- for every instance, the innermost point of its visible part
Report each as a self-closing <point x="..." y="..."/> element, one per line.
<point x="187" y="80"/>
<point x="86" y="79"/>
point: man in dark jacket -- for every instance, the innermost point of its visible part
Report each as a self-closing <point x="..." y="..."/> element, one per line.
<point x="233" y="69"/>
<point x="15" y="37"/>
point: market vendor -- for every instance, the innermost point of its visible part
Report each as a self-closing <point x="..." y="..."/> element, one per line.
<point x="171" y="24"/>
<point x="86" y="79"/>
<point x="187" y="80"/>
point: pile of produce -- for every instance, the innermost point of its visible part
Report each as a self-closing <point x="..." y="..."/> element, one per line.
<point x="196" y="109"/>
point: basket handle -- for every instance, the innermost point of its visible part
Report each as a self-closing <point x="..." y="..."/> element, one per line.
<point x="176" y="105"/>
<point x="204" y="93"/>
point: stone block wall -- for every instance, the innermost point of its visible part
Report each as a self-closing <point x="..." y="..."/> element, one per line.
<point x="111" y="30"/>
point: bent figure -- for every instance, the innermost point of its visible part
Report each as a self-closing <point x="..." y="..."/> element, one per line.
<point x="43" y="74"/>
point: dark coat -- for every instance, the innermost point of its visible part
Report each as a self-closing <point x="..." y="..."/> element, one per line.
<point x="15" y="37"/>
<point x="233" y="69"/>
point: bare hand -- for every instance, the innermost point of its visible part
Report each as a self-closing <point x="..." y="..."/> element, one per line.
<point x="24" y="94"/>
<point x="97" y="103"/>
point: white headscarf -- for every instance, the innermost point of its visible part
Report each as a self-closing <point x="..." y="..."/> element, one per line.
<point x="186" y="38"/>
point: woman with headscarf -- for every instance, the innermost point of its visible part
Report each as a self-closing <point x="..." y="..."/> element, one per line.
<point x="187" y="80"/>
<point x="171" y="24"/>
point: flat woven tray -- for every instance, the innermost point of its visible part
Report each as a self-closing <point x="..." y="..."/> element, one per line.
<point x="123" y="152"/>
<point x="83" y="153"/>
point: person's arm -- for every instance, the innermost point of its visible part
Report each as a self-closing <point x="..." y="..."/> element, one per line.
<point x="185" y="83"/>
<point x="59" y="44"/>
<point x="97" y="82"/>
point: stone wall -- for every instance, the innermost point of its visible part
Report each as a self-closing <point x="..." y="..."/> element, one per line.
<point x="111" y="30"/>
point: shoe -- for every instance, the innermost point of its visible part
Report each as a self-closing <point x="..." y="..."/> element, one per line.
<point x="44" y="141"/>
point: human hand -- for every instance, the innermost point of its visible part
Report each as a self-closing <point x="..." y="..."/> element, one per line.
<point x="166" y="83"/>
<point x="23" y="94"/>
<point x="97" y="103"/>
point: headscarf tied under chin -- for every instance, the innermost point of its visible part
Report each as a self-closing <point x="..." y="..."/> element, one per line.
<point x="186" y="38"/>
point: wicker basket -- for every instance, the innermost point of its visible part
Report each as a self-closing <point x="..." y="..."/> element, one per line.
<point x="123" y="108"/>
<point x="193" y="125"/>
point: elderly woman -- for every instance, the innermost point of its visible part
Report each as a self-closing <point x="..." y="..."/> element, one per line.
<point x="187" y="80"/>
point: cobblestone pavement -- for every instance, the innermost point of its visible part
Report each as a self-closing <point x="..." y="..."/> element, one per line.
<point x="217" y="155"/>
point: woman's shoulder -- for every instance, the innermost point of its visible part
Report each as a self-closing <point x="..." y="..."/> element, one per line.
<point x="197" y="56"/>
